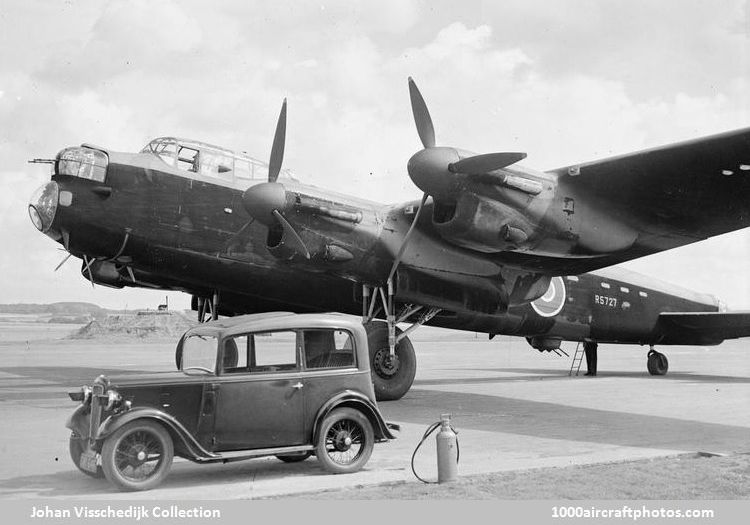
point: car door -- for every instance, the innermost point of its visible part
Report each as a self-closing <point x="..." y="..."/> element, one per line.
<point x="259" y="394"/>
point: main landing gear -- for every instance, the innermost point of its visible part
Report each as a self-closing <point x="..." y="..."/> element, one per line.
<point x="656" y="363"/>
<point x="392" y="359"/>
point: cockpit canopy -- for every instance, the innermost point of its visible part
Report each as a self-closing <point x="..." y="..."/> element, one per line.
<point x="210" y="161"/>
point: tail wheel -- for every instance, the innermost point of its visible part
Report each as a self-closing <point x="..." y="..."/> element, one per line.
<point x="657" y="363"/>
<point x="76" y="446"/>
<point x="392" y="375"/>
<point x="138" y="455"/>
<point x="345" y="441"/>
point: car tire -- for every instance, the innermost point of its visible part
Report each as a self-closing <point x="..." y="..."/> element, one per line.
<point x="391" y="379"/>
<point x="345" y="441"/>
<point x="76" y="446"/>
<point x="294" y="458"/>
<point x="125" y="453"/>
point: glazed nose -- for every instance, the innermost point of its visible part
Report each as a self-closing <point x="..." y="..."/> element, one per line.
<point x="43" y="206"/>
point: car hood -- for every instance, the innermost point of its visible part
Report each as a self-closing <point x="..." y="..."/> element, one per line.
<point x="152" y="379"/>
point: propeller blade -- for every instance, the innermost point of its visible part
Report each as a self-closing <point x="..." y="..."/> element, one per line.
<point x="421" y="116"/>
<point x="402" y="249"/>
<point x="63" y="261"/>
<point x="277" y="150"/>
<point x="485" y="163"/>
<point x="130" y="273"/>
<point x="291" y="237"/>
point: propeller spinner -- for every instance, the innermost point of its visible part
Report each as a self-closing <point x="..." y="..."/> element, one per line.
<point x="434" y="169"/>
<point x="267" y="201"/>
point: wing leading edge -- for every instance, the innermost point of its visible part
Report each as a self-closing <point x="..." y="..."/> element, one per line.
<point x="672" y="195"/>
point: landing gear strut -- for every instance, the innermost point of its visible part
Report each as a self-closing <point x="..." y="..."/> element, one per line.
<point x="392" y="358"/>
<point x="656" y="363"/>
<point x="208" y="308"/>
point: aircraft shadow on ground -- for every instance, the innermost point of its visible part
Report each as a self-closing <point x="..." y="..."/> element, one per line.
<point x="555" y="374"/>
<point x="66" y="375"/>
<point x="564" y="422"/>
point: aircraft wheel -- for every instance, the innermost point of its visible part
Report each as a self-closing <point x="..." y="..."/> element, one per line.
<point x="392" y="376"/>
<point x="657" y="363"/>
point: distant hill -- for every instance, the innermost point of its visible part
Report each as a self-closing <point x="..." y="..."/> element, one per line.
<point x="55" y="309"/>
<point x="142" y="324"/>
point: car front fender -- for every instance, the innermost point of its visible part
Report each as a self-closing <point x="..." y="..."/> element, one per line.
<point x="79" y="420"/>
<point x="351" y="398"/>
<point x="194" y="450"/>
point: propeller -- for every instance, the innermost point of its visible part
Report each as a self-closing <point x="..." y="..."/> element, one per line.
<point x="434" y="169"/>
<point x="267" y="201"/>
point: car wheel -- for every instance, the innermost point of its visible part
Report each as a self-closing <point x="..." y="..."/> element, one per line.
<point x="345" y="441"/>
<point x="76" y="446"/>
<point x="392" y="376"/>
<point x="138" y="455"/>
<point x="294" y="458"/>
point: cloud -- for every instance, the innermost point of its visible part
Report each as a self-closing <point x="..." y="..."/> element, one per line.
<point x="566" y="82"/>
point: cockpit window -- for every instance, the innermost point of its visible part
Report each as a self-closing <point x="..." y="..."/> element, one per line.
<point x="188" y="159"/>
<point x="210" y="161"/>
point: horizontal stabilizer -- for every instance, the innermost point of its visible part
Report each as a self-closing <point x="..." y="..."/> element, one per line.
<point x="707" y="326"/>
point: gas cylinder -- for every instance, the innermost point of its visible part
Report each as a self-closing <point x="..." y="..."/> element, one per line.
<point x="447" y="451"/>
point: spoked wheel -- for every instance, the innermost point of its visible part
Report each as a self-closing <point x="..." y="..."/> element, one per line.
<point x="345" y="441"/>
<point x="138" y="455"/>
<point x="294" y="458"/>
<point x="76" y="446"/>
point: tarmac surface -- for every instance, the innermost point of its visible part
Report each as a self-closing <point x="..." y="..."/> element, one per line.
<point x="514" y="409"/>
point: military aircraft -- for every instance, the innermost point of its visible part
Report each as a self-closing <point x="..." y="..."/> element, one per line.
<point x="492" y="246"/>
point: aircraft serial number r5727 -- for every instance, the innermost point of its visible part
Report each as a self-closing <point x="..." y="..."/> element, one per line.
<point x="605" y="301"/>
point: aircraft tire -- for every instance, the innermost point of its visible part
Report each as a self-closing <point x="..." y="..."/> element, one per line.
<point x="657" y="363"/>
<point x="391" y="378"/>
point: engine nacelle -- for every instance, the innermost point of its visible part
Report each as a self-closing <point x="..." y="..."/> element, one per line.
<point x="482" y="224"/>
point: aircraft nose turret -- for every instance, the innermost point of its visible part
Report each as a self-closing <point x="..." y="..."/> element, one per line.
<point x="43" y="206"/>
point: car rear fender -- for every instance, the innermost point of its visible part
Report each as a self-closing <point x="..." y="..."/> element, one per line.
<point x="359" y="401"/>
<point x="179" y="433"/>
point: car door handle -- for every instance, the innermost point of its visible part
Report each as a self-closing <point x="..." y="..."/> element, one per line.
<point x="298" y="385"/>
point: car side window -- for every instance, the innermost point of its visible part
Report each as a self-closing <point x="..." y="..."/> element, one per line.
<point x="328" y="349"/>
<point x="260" y="353"/>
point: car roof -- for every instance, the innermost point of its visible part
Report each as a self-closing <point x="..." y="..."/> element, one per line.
<point x="277" y="321"/>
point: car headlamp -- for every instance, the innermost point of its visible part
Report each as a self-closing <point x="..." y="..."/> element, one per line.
<point x="113" y="399"/>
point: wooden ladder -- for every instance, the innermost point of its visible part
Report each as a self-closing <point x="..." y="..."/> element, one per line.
<point x="577" y="359"/>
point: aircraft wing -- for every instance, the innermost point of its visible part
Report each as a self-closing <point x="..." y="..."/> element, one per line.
<point x="671" y="195"/>
<point x="706" y="327"/>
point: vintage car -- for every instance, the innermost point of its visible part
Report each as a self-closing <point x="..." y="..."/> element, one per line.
<point x="278" y="384"/>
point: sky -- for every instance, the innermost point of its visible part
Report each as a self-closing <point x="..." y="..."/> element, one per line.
<point x="566" y="81"/>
